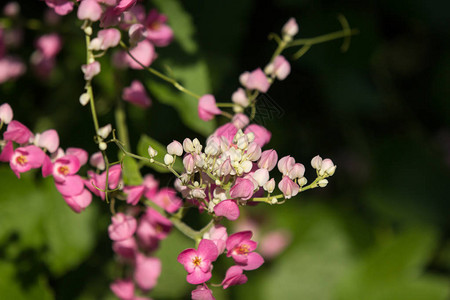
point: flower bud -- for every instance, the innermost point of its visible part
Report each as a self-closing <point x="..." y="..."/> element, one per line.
<point x="268" y="160"/>
<point x="89" y="10"/>
<point x="302" y="181"/>
<point x="199" y="161"/>
<point x="242" y="142"/>
<point x="197" y="146"/>
<point x="253" y="151"/>
<point x="240" y="121"/>
<point x="288" y="187"/>
<point x="168" y="159"/>
<point x="327" y="167"/>
<point x="122" y="227"/>
<point x="97" y="161"/>
<point x="212" y="148"/>
<point x="6" y="113"/>
<point x="225" y="168"/>
<point x="189" y="164"/>
<point x="239" y="97"/>
<point x="152" y="152"/>
<point x="84" y="99"/>
<point x="243" y="78"/>
<point x="257" y="80"/>
<point x="290" y="28"/>
<point x="316" y="162"/>
<point x="285" y="165"/>
<point x="246" y="166"/>
<point x="261" y="176"/>
<point x="207" y="107"/>
<point x="102" y="146"/>
<point x="175" y="148"/>
<point x="104" y="131"/>
<point x="323" y="183"/>
<point x="279" y="68"/>
<point x="49" y="140"/>
<point x="297" y="171"/>
<point x="198" y="193"/>
<point x="188" y="146"/>
<point x="90" y="70"/>
<point x="269" y="186"/>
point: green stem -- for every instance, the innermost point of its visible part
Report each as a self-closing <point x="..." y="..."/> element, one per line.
<point x="121" y="124"/>
<point x="225" y="104"/>
<point x="323" y="38"/>
<point x="172" y="81"/>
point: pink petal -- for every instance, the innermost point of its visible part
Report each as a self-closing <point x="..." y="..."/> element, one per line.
<point x="89" y="10"/>
<point x="147" y="271"/>
<point x="123" y="289"/>
<point x="136" y="94"/>
<point x="207" y="107"/>
<point x="17" y="132"/>
<point x="185" y="258"/>
<point x="234" y="276"/>
<point x="144" y="52"/>
<point x="228" y="209"/>
<point x="198" y="276"/>
<point x="237" y="238"/>
<point x="257" y="80"/>
<point x="72" y="186"/>
<point x="81" y="154"/>
<point x="254" y="261"/>
<point x="49" y="140"/>
<point x="134" y="193"/>
<point x="7" y="152"/>
<point x="208" y="250"/>
<point x="6" y="113"/>
<point x="79" y="202"/>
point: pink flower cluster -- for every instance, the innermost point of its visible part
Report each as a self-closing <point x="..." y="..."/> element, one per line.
<point x="199" y="262"/>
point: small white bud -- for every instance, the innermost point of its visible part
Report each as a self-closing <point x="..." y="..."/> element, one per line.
<point x="261" y="176"/>
<point x="198" y="193"/>
<point x="88" y="30"/>
<point x="152" y="152"/>
<point x="242" y="142"/>
<point x="197" y="146"/>
<point x="302" y="181"/>
<point x="251" y="137"/>
<point x="102" y="146"/>
<point x="247" y="166"/>
<point x="269" y="186"/>
<point x="316" y="162"/>
<point x="323" y="183"/>
<point x="188" y="146"/>
<point x="168" y="159"/>
<point x="104" y="131"/>
<point x="84" y="99"/>
<point x="274" y="200"/>
<point x="212" y="148"/>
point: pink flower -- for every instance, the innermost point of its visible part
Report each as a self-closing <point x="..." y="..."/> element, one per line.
<point x="167" y="199"/>
<point x="240" y="247"/>
<point x="61" y="7"/>
<point x="122" y="227"/>
<point x="125" y="248"/>
<point x="49" y="45"/>
<point x="17" y="132"/>
<point x="134" y="193"/>
<point x="280" y="68"/>
<point x="239" y="97"/>
<point x="97" y="181"/>
<point x="80" y="201"/>
<point x="144" y="52"/>
<point x="228" y="209"/>
<point x="234" y="276"/>
<point x="228" y="131"/>
<point x="7" y="152"/>
<point x="65" y="166"/>
<point x="262" y="135"/>
<point x="123" y="289"/>
<point x="285" y="165"/>
<point x="6" y="113"/>
<point x="124" y="5"/>
<point x="97" y="161"/>
<point x="290" y="28"/>
<point x="240" y="120"/>
<point x="10" y="68"/>
<point x="153" y="227"/>
<point x="198" y="263"/>
<point x="256" y="80"/>
<point x="79" y="153"/>
<point x="147" y="271"/>
<point x="106" y="38"/>
<point x="243" y="188"/>
<point x="136" y="94"/>
<point x="207" y="107"/>
<point x="217" y="234"/>
<point x="49" y="140"/>
<point x="158" y="32"/>
<point x="274" y="243"/>
<point x="268" y="160"/>
<point x="25" y="158"/>
<point x="92" y="69"/>
<point x="202" y="292"/>
<point x="288" y="187"/>
<point x="89" y="10"/>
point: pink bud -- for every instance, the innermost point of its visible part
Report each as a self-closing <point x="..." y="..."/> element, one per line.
<point x="126" y="248"/>
<point x="175" y="148"/>
<point x="228" y="209"/>
<point x="297" y="171"/>
<point x="49" y="140"/>
<point x="202" y="292"/>
<point x="285" y="164"/>
<point x="268" y="160"/>
<point x="240" y="121"/>
<point x="290" y="28"/>
<point x="90" y="70"/>
<point x="207" y="107"/>
<point x="288" y="187"/>
<point x="61" y="7"/>
<point x="239" y="97"/>
<point x="262" y="135"/>
<point x="234" y="276"/>
<point x="136" y="33"/>
<point x="281" y="67"/>
<point x="316" y="162"/>
<point x="147" y="271"/>
<point x="6" y="113"/>
<point x="327" y="167"/>
<point x="106" y="38"/>
<point x="157" y="31"/>
<point x="97" y="161"/>
<point x="122" y="227"/>
<point x="253" y="151"/>
<point x="189" y="163"/>
<point x="261" y="176"/>
<point x="226" y="168"/>
<point x="243" y="78"/>
<point x="136" y="94"/>
<point x="217" y="234"/>
<point x="243" y="188"/>
<point x="257" y="80"/>
<point x="89" y="10"/>
<point x="123" y="289"/>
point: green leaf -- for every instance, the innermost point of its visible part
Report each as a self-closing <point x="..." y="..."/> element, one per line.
<point x="38" y="215"/>
<point x="142" y="149"/>
<point x="12" y="288"/>
<point x="130" y="171"/>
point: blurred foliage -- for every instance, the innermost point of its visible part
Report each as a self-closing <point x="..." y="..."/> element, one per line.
<point x="380" y="230"/>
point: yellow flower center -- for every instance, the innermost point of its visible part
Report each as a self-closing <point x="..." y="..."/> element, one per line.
<point x="21" y="160"/>
<point x="197" y="261"/>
